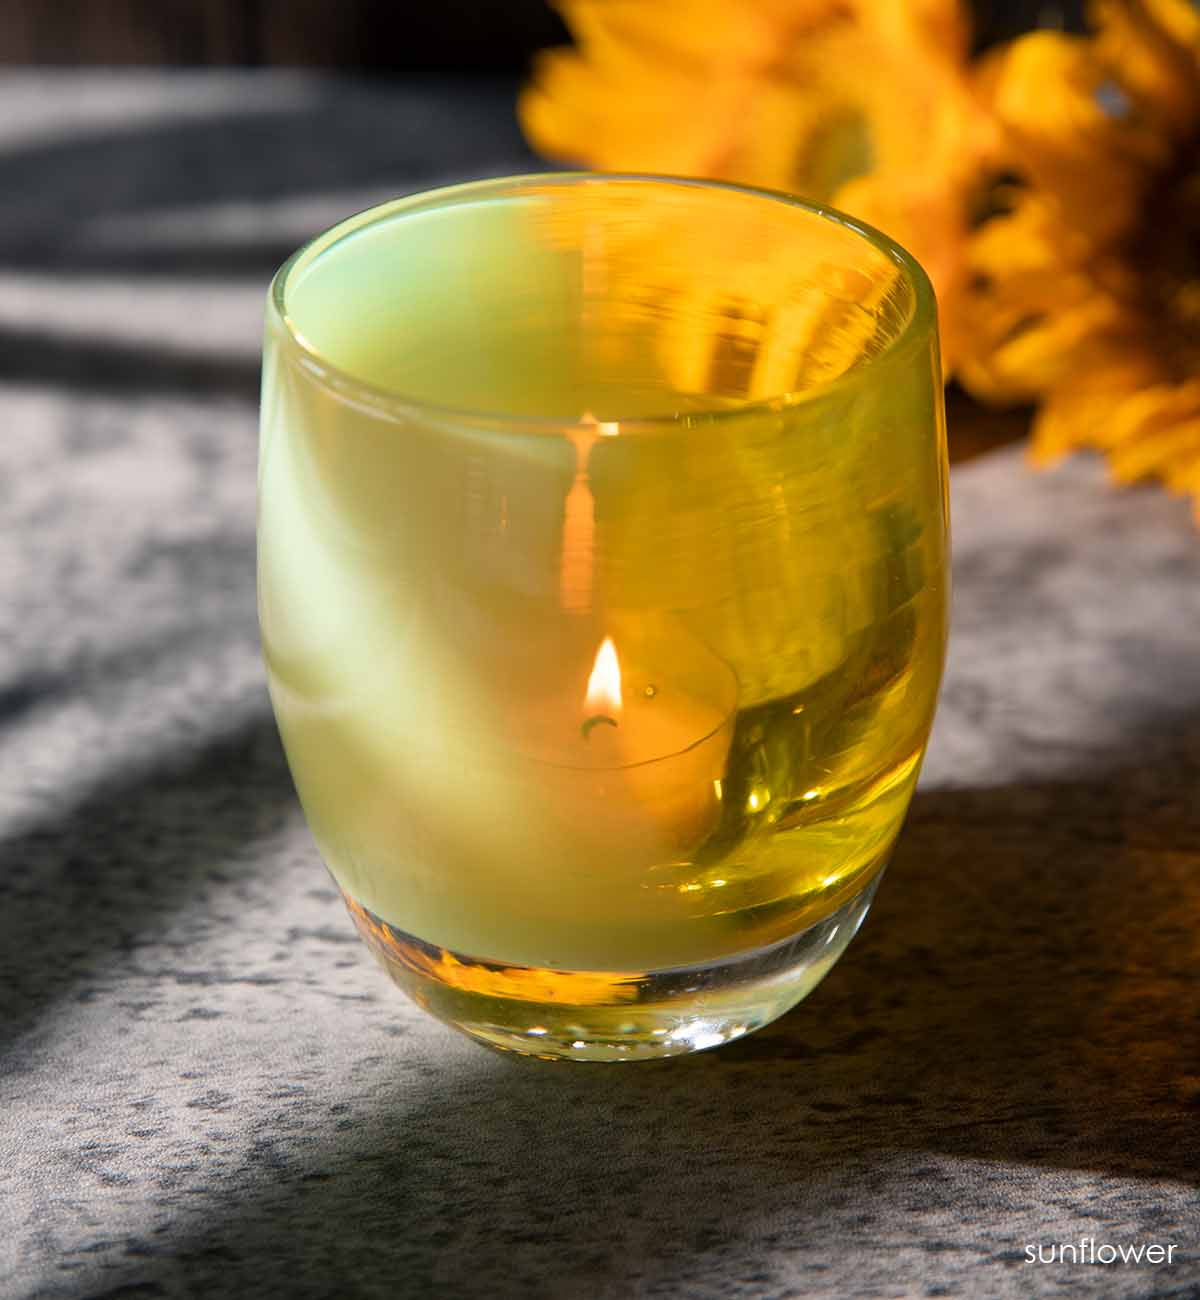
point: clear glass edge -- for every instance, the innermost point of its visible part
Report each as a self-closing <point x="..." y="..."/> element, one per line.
<point x="918" y="329"/>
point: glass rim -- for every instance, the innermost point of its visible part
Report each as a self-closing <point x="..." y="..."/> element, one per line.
<point x="919" y="324"/>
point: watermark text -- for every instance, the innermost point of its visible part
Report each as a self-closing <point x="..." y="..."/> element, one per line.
<point x="1087" y="1250"/>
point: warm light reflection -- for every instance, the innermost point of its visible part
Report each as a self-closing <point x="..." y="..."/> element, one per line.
<point x="579" y="516"/>
<point x="604" y="685"/>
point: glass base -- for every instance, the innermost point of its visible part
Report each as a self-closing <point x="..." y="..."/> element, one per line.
<point x="607" y="1015"/>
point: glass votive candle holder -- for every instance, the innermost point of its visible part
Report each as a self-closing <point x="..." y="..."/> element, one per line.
<point x="602" y="584"/>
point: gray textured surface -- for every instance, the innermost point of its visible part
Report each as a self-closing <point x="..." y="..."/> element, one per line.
<point x="206" y="1088"/>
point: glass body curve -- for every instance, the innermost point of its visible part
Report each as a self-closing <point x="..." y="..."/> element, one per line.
<point x="603" y="589"/>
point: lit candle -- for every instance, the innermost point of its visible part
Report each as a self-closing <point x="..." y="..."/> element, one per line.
<point x="630" y="767"/>
<point x="628" y="740"/>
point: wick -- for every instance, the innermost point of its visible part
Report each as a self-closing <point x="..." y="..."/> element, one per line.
<point x="595" y="721"/>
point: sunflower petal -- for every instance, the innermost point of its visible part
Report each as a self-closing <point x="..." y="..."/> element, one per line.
<point x="1150" y="48"/>
<point x="1158" y="455"/>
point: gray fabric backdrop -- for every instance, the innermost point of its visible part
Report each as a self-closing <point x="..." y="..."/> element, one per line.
<point x="206" y="1086"/>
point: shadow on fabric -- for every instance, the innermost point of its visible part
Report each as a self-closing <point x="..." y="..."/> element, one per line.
<point x="1024" y="993"/>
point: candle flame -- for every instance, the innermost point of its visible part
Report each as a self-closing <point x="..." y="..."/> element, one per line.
<point x="604" y="685"/>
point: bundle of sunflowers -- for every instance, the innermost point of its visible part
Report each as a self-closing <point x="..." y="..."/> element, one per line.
<point x="1050" y="186"/>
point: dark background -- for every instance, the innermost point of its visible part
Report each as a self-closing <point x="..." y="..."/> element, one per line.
<point x="382" y="35"/>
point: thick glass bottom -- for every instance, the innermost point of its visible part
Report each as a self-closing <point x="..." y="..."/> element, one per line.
<point x="612" y="1015"/>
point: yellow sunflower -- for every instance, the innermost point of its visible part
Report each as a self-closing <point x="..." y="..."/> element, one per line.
<point x="1085" y="283"/>
<point x="867" y="105"/>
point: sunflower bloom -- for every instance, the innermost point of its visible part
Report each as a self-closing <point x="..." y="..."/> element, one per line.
<point x="1085" y="283"/>
<point x="864" y="105"/>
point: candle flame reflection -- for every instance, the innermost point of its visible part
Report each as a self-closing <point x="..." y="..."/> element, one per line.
<point x="604" y="685"/>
